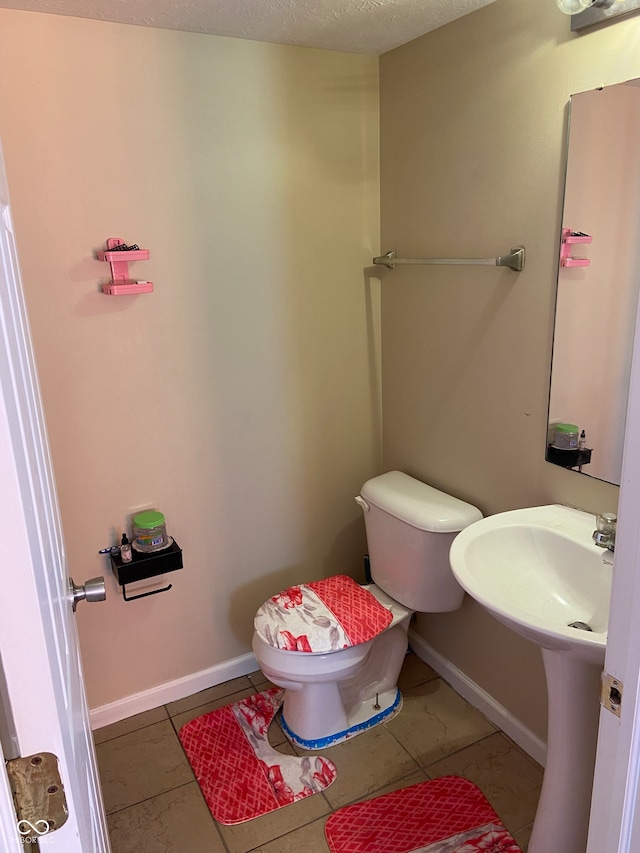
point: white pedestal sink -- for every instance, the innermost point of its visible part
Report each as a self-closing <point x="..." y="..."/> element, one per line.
<point x="537" y="570"/>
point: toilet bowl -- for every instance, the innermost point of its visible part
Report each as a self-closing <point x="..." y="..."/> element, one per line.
<point x="333" y="695"/>
<point x="336" y="647"/>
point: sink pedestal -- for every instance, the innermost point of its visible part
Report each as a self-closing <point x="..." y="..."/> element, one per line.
<point x="539" y="572"/>
<point x="562" y="818"/>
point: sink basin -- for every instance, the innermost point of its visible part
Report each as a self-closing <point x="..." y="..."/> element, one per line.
<point x="538" y="571"/>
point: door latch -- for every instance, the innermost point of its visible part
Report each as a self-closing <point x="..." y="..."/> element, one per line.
<point x="611" y="694"/>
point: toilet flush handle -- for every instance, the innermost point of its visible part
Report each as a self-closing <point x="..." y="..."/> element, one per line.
<point x="361" y="502"/>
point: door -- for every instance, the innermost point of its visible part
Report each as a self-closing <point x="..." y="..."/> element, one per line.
<point x="615" y="820"/>
<point x="42" y="700"/>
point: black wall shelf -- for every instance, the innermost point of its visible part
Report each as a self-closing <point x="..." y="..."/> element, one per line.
<point x="143" y="566"/>
<point x="568" y="458"/>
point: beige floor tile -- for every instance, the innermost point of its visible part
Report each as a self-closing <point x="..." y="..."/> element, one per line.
<point x="414" y="671"/>
<point x="179" y="720"/>
<point x="508" y="778"/>
<point x="175" y="822"/>
<point x="307" y="839"/>
<point x="435" y="722"/>
<point x="277" y="738"/>
<point x="522" y="838"/>
<point x="253" y="833"/>
<point x="412" y="779"/>
<point x="211" y="694"/>
<point x="130" y="724"/>
<point x="140" y="765"/>
<point x="259" y="681"/>
<point x="365" y="764"/>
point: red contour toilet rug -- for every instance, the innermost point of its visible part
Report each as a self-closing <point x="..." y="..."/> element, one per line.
<point x="240" y="774"/>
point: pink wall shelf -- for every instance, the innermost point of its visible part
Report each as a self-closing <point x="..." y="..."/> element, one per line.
<point x="121" y="284"/>
<point x="569" y="237"/>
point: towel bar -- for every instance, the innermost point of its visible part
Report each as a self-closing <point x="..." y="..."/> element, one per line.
<point x="514" y="260"/>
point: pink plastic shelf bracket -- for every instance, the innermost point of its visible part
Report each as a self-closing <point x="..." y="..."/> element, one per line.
<point x="568" y="239"/>
<point x="121" y="284"/>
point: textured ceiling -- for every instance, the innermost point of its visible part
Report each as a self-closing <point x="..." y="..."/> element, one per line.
<point x="356" y="26"/>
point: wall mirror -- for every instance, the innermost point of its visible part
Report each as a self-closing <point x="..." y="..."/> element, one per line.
<point x="598" y="283"/>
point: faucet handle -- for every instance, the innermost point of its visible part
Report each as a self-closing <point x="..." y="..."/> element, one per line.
<point x="605" y="532"/>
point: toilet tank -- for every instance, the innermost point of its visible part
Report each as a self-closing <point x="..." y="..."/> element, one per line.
<point x="410" y="527"/>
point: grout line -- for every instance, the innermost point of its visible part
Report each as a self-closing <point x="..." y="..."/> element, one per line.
<point x="461" y="749"/>
<point x="288" y="832"/>
<point x="207" y="705"/>
<point x="199" y="704"/>
<point x="153" y="797"/>
<point x="214" y="821"/>
<point x="403" y="747"/>
<point x="373" y="794"/>
<point x="138" y="729"/>
<point x="173" y="726"/>
<point x="523" y="752"/>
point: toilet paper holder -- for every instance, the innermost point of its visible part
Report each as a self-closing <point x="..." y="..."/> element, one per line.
<point x="144" y="566"/>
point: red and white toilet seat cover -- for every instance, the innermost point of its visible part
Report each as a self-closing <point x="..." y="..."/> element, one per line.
<point x="321" y="616"/>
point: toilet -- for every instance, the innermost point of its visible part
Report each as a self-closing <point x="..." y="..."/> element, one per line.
<point x="337" y="647"/>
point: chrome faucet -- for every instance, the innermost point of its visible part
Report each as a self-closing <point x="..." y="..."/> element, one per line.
<point x="605" y="533"/>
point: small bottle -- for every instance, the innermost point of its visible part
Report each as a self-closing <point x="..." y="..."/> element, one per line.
<point x="125" y="549"/>
<point x="582" y="441"/>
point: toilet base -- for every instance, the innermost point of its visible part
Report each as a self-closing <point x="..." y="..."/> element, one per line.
<point x="362" y="717"/>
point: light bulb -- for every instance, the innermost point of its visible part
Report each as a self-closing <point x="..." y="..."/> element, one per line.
<point x="572" y="7"/>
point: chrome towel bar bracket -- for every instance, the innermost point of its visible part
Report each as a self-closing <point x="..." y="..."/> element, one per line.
<point x="514" y="260"/>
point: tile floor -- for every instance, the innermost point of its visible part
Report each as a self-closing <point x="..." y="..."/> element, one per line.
<point x="154" y="804"/>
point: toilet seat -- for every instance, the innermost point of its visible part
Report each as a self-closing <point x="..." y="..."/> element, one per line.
<point x="321" y="616"/>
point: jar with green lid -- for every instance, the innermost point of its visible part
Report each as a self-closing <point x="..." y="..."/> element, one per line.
<point x="566" y="437"/>
<point x="150" y="531"/>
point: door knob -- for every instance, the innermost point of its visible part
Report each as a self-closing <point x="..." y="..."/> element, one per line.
<point x="92" y="590"/>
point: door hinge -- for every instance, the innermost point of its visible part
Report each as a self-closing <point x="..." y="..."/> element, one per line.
<point x="38" y="794"/>
<point x="611" y="694"/>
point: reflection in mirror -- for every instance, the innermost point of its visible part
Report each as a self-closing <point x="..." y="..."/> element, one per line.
<point x="598" y="283"/>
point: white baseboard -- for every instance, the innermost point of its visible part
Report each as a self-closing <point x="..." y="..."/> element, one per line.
<point x="480" y="699"/>
<point x="170" y="691"/>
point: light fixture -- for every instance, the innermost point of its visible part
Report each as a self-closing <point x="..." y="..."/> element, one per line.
<point x="586" y="13"/>
<point x="573" y="7"/>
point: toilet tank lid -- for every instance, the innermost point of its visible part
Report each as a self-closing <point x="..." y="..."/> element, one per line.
<point x="418" y="504"/>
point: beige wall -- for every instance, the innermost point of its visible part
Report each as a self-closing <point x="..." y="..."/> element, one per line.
<point x="242" y="396"/>
<point x="473" y="123"/>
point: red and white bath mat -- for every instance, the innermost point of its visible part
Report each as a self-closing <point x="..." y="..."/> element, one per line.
<point x="446" y="815"/>
<point x="241" y="776"/>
